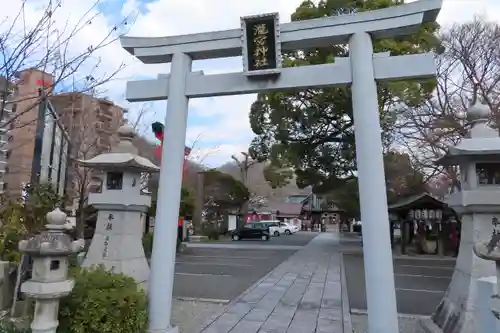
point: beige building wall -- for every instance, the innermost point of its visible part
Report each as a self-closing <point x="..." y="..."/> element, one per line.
<point x="90" y="123"/>
<point x="21" y="145"/>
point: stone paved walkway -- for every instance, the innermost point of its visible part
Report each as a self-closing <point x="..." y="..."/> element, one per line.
<point x="301" y="295"/>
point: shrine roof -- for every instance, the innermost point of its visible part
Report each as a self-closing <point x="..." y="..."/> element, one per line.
<point x="418" y="200"/>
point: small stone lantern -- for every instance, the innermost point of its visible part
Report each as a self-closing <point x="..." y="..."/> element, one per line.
<point x="49" y="251"/>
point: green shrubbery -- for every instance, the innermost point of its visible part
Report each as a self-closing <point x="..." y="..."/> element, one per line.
<point x="103" y="302"/>
<point x="8" y="327"/>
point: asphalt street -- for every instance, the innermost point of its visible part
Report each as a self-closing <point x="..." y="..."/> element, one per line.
<point x="300" y="238"/>
<point x="420" y="282"/>
<point x="222" y="274"/>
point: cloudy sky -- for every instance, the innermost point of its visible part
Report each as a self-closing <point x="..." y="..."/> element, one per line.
<point x="218" y="125"/>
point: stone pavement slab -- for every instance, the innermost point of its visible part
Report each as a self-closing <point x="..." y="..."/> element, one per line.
<point x="302" y="295"/>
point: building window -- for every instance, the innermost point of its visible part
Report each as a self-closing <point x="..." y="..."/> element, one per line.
<point x="114" y="181"/>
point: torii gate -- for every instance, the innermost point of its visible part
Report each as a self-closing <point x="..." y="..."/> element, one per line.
<point x="260" y="40"/>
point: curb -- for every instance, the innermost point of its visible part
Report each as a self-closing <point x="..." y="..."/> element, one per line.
<point x="203" y="300"/>
<point x="424" y="257"/>
<point x="362" y="312"/>
<point x="429" y="326"/>
<point x="346" y="313"/>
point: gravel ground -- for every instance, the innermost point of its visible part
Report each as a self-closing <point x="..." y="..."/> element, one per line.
<point x="406" y="324"/>
<point x="191" y="316"/>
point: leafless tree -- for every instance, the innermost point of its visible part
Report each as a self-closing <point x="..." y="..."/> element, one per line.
<point x="48" y="45"/>
<point x="469" y="66"/>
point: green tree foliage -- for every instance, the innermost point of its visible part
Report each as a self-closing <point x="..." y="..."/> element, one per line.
<point x="187" y="202"/>
<point x="20" y="219"/>
<point x="402" y="180"/>
<point x="186" y="205"/>
<point x="312" y="131"/>
<point x="277" y="176"/>
<point x="223" y="192"/>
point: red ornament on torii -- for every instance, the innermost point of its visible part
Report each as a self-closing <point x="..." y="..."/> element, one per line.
<point x="158" y="130"/>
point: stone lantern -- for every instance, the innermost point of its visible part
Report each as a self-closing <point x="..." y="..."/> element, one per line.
<point x="121" y="206"/>
<point x="476" y="199"/>
<point x="49" y="282"/>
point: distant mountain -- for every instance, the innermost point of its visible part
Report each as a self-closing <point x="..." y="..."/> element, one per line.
<point x="146" y="149"/>
<point x="258" y="184"/>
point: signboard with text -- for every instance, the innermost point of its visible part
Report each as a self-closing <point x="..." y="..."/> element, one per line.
<point x="261" y="45"/>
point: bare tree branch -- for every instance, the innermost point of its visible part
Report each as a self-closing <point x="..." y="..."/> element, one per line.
<point x="49" y="46"/>
<point x="470" y="63"/>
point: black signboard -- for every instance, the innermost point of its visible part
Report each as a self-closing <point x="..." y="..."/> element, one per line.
<point x="261" y="45"/>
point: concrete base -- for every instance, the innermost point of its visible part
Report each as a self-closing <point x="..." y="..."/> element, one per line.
<point x="429" y="326"/>
<point x="172" y="329"/>
<point x="6" y="287"/>
<point x="117" y="245"/>
<point x="456" y="312"/>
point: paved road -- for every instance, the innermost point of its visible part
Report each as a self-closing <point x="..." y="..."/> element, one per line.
<point x="420" y="283"/>
<point x="300" y="238"/>
<point x="224" y="273"/>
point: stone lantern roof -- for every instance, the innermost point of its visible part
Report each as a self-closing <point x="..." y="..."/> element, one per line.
<point x="53" y="241"/>
<point x="482" y="141"/>
<point x="122" y="156"/>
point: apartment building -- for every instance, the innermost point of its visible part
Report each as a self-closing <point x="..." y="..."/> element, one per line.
<point x="37" y="146"/>
<point x="48" y="131"/>
<point x="5" y="113"/>
<point x="91" y="124"/>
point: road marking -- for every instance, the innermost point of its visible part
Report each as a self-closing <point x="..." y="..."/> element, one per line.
<point x="436" y="267"/>
<point x="203" y="274"/>
<point x="205" y="300"/>
<point x="243" y="246"/>
<point x="422" y="290"/>
<point x="222" y="257"/>
<point x="425" y="276"/>
<point x="212" y="264"/>
<point x="363" y="312"/>
<point x="406" y="257"/>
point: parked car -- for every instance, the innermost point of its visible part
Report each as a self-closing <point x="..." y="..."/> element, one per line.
<point x="252" y="230"/>
<point x="269" y="224"/>
<point x="283" y="228"/>
<point x="357" y="226"/>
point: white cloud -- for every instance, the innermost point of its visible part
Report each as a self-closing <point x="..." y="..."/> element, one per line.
<point x="226" y="117"/>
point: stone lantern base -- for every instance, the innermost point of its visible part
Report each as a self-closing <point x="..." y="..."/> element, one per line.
<point x="117" y="244"/>
<point x="456" y="312"/>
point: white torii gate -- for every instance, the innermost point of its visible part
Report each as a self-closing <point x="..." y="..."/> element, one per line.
<point x="361" y="70"/>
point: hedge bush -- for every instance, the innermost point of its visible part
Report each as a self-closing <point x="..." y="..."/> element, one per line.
<point x="6" y="326"/>
<point x="103" y="302"/>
